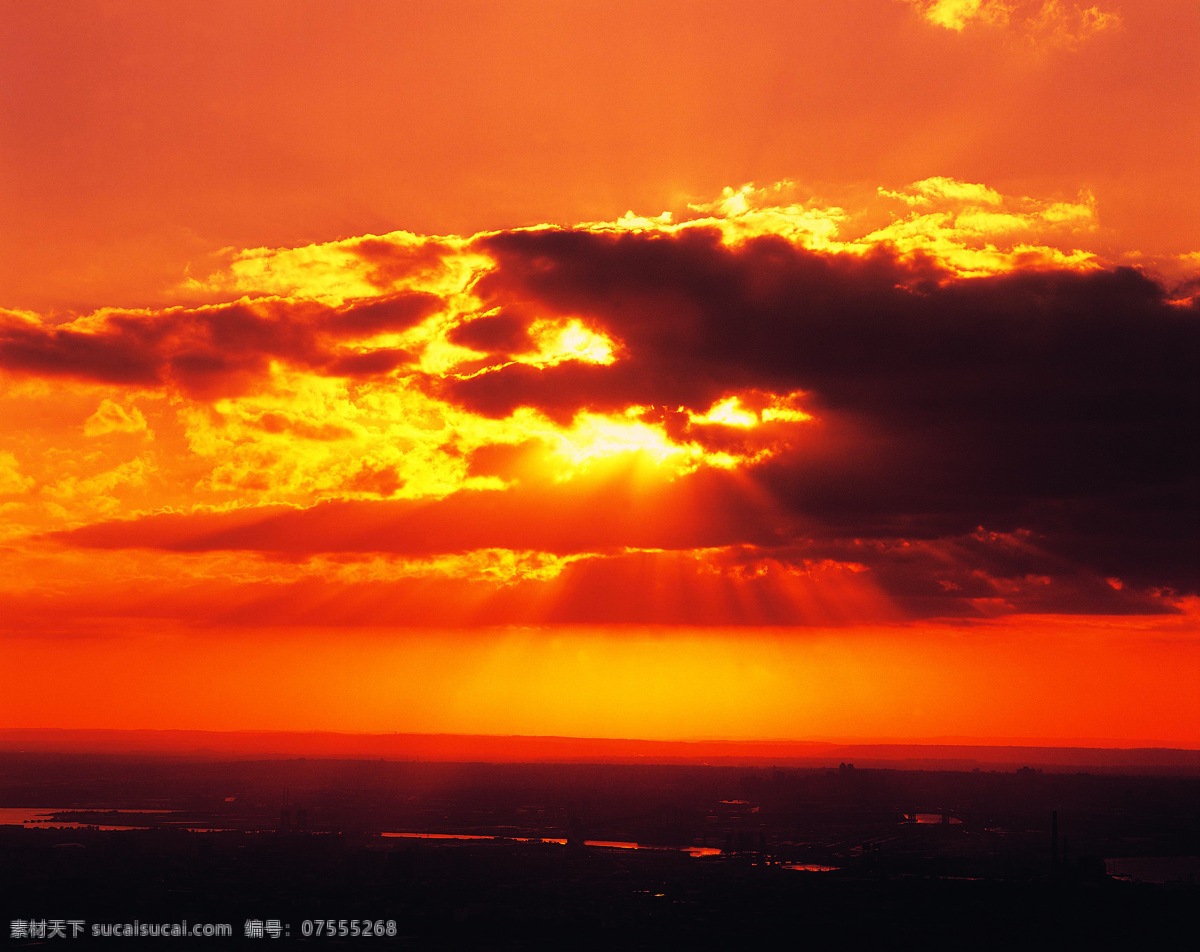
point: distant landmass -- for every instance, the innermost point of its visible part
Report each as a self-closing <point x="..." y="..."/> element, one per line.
<point x="525" y="749"/>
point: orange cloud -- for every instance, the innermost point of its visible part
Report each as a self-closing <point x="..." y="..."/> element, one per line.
<point x="1048" y="23"/>
<point x="112" y="417"/>
<point x="11" y="480"/>
<point x="956" y="14"/>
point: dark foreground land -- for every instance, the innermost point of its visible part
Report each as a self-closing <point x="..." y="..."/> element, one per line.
<point x="726" y="857"/>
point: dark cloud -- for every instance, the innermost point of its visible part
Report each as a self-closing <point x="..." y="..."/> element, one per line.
<point x="500" y="334"/>
<point x="667" y="588"/>
<point x="370" y="363"/>
<point x="126" y="356"/>
<point x="392" y="262"/>
<point x="698" y="319"/>
<point x="396" y="313"/>
<point x="216" y="351"/>
<point x="606" y="510"/>
<point x="751" y="551"/>
<point x="1059" y="403"/>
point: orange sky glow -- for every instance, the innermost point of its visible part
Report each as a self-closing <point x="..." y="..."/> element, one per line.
<point x="658" y="370"/>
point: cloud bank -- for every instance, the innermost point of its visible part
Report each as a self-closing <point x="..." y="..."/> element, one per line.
<point x="747" y="416"/>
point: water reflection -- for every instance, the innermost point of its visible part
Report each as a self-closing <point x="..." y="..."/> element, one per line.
<point x="1155" y="869"/>
<point x="41" y="817"/>
<point x="601" y="844"/>
<point x="44" y="818"/>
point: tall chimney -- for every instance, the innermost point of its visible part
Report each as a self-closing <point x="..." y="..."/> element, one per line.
<point x="1054" y="842"/>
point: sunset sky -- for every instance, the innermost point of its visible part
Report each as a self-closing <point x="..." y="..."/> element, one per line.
<point x="765" y="370"/>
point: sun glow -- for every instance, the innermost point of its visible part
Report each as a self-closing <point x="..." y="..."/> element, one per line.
<point x="729" y="412"/>
<point x="593" y="436"/>
<point x="560" y="341"/>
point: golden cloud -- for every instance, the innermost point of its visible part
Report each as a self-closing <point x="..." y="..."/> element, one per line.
<point x="1045" y="23"/>
<point x="113" y="417"/>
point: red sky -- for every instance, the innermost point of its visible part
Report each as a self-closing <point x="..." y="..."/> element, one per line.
<point x="658" y="370"/>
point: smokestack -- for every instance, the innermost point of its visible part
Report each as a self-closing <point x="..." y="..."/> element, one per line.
<point x="1054" y="841"/>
